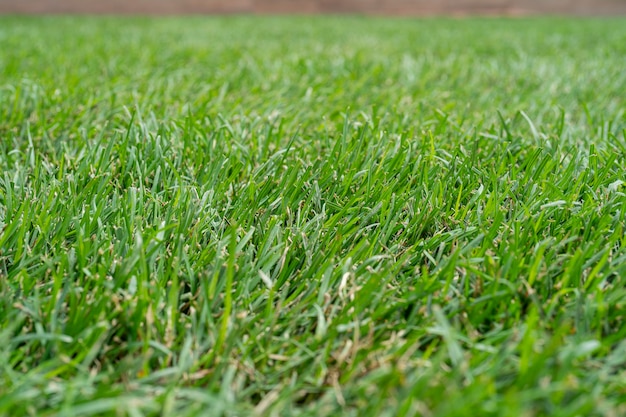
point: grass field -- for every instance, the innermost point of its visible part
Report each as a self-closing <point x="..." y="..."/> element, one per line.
<point x="312" y="216"/>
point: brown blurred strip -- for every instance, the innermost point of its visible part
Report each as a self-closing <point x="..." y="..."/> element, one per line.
<point x="391" y="7"/>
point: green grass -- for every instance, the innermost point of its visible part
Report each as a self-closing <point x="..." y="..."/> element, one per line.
<point x="312" y="216"/>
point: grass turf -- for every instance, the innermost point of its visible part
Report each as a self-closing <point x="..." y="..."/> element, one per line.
<point x="312" y="216"/>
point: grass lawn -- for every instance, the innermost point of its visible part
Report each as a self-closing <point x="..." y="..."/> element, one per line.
<point x="312" y="216"/>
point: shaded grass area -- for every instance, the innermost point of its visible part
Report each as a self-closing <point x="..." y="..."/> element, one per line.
<point x="312" y="216"/>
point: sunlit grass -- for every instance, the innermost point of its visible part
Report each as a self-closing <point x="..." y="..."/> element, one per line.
<point x="312" y="216"/>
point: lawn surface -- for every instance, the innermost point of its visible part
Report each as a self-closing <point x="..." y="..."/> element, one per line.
<point x="312" y="216"/>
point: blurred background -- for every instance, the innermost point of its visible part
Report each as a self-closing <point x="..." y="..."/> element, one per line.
<point x="392" y="7"/>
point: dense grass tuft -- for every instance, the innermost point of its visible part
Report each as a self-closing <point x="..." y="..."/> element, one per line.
<point x="312" y="216"/>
